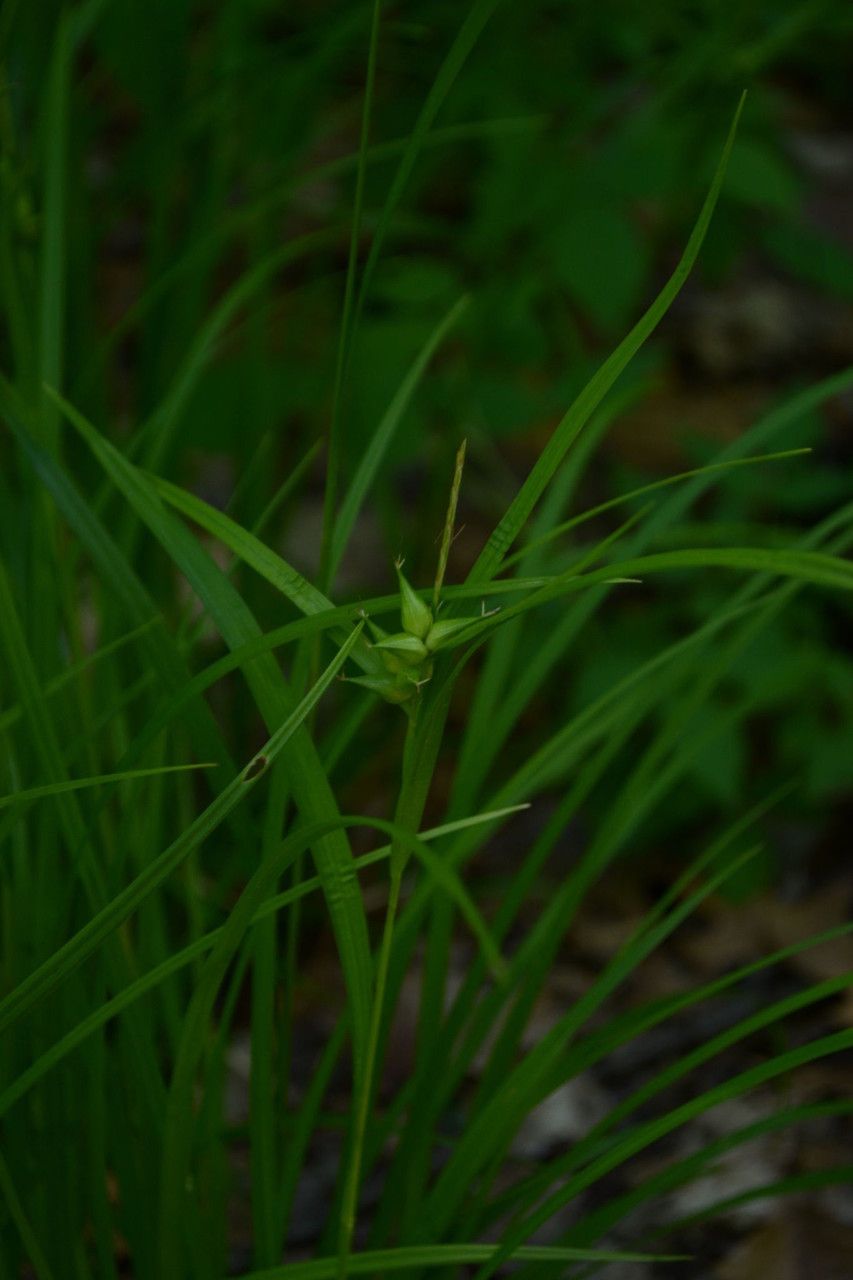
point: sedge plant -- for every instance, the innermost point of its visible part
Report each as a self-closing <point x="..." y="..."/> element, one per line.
<point x="163" y="857"/>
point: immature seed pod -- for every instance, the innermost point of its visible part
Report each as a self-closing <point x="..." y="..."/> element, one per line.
<point x="375" y="630"/>
<point x="441" y="633"/>
<point x="392" y="688"/>
<point x="416" y="615"/>
<point x="408" y="648"/>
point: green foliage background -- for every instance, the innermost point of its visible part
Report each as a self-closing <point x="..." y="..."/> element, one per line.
<point x="178" y="182"/>
<point x="563" y="170"/>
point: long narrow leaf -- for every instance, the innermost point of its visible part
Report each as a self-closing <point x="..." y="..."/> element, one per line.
<point x="309" y="784"/>
<point x="594" y="392"/>
<point x="442" y="1255"/>
<point x="74" y="952"/>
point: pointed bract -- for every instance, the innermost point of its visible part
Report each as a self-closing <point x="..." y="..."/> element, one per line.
<point x="442" y="633"/>
<point x="415" y="614"/>
<point x="378" y="633"/>
<point x="388" y="687"/>
<point x="407" y="647"/>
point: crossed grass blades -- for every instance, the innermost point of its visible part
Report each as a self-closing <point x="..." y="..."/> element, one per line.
<point x="134" y="910"/>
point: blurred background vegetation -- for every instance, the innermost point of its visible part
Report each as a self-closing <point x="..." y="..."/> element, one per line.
<point x="213" y="146"/>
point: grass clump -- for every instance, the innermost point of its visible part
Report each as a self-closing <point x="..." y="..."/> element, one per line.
<point x="175" y="823"/>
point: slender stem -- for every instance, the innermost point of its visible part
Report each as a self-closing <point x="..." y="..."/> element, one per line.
<point x="450" y="520"/>
<point x="345" y="341"/>
<point x="351" y="1186"/>
<point x="408" y="808"/>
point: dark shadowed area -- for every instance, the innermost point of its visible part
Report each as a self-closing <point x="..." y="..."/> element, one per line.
<point x="426" y="640"/>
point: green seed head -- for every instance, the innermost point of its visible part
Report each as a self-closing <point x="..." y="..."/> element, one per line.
<point x="441" y="634"/>
<point x="404" y="647"/>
